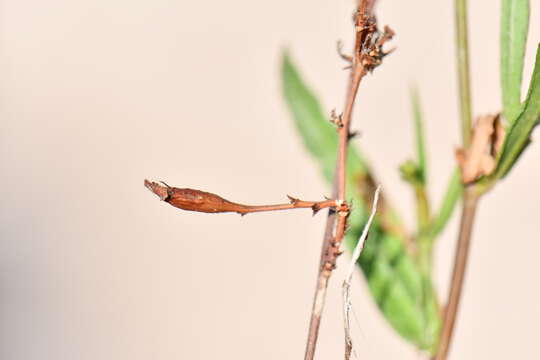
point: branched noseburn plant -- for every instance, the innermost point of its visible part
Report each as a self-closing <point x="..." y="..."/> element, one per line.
<point x="395" y="262"/>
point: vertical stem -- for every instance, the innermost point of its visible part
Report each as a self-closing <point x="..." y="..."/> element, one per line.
<point x="470" y="202"/>
<point x="337" y="221"/>
<point x="424" y="242"/>
<point x="463" y="71"/>
<point x="320" y="290"/>
<point x="470" y="195"/>
<point x="422" y="208"/>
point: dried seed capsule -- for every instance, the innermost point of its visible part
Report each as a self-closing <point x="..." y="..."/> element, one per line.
<point x="193" y="200"/>
<point x="196" y="200"/>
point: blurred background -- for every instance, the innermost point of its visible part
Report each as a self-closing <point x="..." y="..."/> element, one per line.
<point x="95" y="96"/>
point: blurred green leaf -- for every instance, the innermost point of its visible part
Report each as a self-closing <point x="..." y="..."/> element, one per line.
<point x="397" y="286"/>
<point x="318" y="134"/>
<point x="394" y="280"/>
<point x="518" y="136"/>
<point x="450" y="199"/>
<point x="514" y="28"/>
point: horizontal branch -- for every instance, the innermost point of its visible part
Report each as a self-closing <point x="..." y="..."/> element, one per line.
<point x="201" y="201"/>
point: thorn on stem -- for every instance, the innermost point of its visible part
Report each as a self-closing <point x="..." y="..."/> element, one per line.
<point x="352" y="134"/>
<point x="292" y="199"/>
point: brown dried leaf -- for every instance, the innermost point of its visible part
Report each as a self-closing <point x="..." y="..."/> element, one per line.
<point x="479" y="159"/>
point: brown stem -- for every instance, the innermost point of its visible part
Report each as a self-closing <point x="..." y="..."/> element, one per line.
<point x="202" y="201"/>
<point x="367" y="55"/>
<point x="470" y="202"/>
<point x="294" y="204"/>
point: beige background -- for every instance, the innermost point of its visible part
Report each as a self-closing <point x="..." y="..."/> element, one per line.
<point x="97" y="95"/>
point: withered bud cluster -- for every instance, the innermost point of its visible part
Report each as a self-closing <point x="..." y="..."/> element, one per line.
<point x="370" y="41"/>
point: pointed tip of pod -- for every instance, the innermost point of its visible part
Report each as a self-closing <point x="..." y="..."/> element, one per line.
<point x="157" y="189"/>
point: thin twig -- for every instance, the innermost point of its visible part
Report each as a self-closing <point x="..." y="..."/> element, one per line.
<point x="202" y="201"/>
<point x="367" y="55"/>
<point x="347" y="304"/>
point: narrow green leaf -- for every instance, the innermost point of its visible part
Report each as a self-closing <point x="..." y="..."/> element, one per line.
<point x="514" y="28"/>
<point x="450" y="199"/>
<point x="394" y="281"/>
<point x="519" y="134"/>
<point x="317" y="133"/>
<point x="419" y="135"/>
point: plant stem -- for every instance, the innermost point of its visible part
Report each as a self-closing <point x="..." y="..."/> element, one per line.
<point x="470" y="195"/>
<point x="470" y="202"/>
<point x="463" y="71"/>
<point x="422" y="208"/>
<point x="423" y="242"/>
<point x="331" y="242"/>
<point x="361" y="62"/>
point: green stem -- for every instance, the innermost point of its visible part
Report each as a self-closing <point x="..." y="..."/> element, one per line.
<point x="463" y="71"/>
<point x="422" y="208"/>
<point x="423" y="240"/>
<point x="454" y="189"/>
<point x="470" y="196"/>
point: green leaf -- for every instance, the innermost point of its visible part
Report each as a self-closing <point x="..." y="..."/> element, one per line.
<point x="318" y="134"/>
<point x="519" y="133"/>
<point x="450" y="199"/>
<point x="395" y="283"/>
<point x="514" y="28"/>
<point x="397" y="286"/>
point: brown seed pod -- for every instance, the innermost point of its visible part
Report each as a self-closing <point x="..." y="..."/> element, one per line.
<point x="193" y="200"/>
<point x="202" y="201"/>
